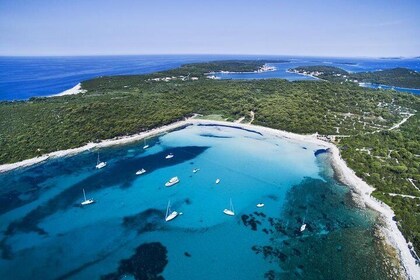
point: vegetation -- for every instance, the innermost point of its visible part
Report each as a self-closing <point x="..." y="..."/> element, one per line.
<point x="361" y="120"/>
<point x="399" y="77"/>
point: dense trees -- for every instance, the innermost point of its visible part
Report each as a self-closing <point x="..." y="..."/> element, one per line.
<point x="399" y="77"/>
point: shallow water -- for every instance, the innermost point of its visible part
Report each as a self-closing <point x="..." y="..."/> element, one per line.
<point x="46" y="234"/>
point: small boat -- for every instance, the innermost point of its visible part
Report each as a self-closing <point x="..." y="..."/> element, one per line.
<point x="172" y="182"/>
<point x="259" y="205"/>
<point x="170" y="215"/>
<point x="217" y="181"/>
<point x="86" y="201"/>
<point x="303" y="227"/>
<point x="230" y="211"/>
<point x="195" y="170"/>
<point x="100" y="164"/>
<point x="169" y="156"/>
<point x="141" y="171"/>
<point x="145" y="145"/>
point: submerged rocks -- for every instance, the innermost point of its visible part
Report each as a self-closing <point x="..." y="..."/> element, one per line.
<point x="147" y="263"/>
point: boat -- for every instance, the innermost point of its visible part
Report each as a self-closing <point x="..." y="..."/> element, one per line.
<point x="259" y="205"/>
<point x="230" y="211"/>
<point x="303" y="227"/>
<point x="141" y="171"/>
<point x="169" y="156"/>
<point x="217" y="181"/>
<point x="86" y="201"/>
<point x="195" y="170"/>
<point x="170" y="215"/>
<point x="145" y="145"/>
<point x="172" y="182"/>
<point x="100" y="164"/>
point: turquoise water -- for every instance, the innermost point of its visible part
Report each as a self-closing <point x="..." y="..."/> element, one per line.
<point x="46" y="234"/>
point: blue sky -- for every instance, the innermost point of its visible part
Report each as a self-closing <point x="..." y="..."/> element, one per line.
<point x="321" y="28"/>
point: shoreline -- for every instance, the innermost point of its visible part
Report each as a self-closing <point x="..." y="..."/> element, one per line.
<point x="74" y="90"/>
<point x="347" y="176"/>
<point x="306" y="75"/>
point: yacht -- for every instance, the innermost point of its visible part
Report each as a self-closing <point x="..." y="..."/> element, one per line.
<point x="86" y="201"/>
<point x="172" y="182"/>
<point x="141" y="171"/>
<point x="230" y="211"/>
<point x="303" y="227"/>
<point x="169" y="156"/>
<point x="100" y="164"/>
<point x="145" y="145"/>
<point x="217" y="181"/>
<point x="170" y="215"/>
<point x="259" y="205"/>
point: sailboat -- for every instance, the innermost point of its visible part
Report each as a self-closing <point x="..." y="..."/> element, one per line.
<point x="170" y="215"/>
<point x="195" y="170"/>
<point x="145" y="145"/>
<point x="86" y="201"/>
<point x="141" y="171"/>
<point x="217" y="181"/>
<point x="100" y="164"/>
<point x="259" y="205"/>
<point x="169" y="156"/>
<point x="230" y="211"/>
<point x="303" y="226"/>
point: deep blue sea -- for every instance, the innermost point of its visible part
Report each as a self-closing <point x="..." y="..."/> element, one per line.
<point x="25" y="77"/>
<point x="46" y="234"/>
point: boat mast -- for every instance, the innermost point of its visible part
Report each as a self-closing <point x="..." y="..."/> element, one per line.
<point x="231" y="206"/>
<point x="167" y="209"/>
<point x="84" y="194"/>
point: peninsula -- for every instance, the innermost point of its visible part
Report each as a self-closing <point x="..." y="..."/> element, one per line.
<point x="376" y="132"/>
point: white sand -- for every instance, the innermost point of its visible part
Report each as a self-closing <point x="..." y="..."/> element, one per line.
<point x="74" y="90"/>
<point x="348" y="176"/>
<point x="102" y="144"/>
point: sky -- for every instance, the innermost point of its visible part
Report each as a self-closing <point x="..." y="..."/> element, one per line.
<point x="368" y="28"/>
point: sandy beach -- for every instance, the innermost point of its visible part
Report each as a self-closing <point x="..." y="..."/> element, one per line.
<point x="347" y="176"/>
<point x="74" y="90"/>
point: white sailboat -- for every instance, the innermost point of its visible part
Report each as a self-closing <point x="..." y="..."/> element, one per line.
<point x="230" y="211"/>
<point x="141" y="171"/>
<point x="172" y="182"/>
<point x="195" y="170"/>
<point x="86" y="201"/>
<point x="169" y="156"/>
<point x="100" y="164"/>
<point x="217" y="181"/>
<point x="145" y="145"/>
<point x="170" y="215"/>
<point x="259" y="205"/>
<point x="302" y="227"/>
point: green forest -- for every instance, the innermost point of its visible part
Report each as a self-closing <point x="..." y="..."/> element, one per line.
<point x="360" y="118"/>
<point x="398" y="77"/>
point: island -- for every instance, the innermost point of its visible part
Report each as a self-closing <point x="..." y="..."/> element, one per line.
<point x="398" y="77"/>
<point x="376" y="132"/>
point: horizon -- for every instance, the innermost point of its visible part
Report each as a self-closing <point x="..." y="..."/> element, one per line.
<point x="127" y="27"/>
<point x="213" y="54"/>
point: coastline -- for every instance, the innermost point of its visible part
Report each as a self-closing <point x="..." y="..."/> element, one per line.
<point x="390" y="230"/>
<point x="306" y="75"/>
<point x="74" y="90"/>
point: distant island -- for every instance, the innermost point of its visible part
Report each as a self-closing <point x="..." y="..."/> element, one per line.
<point x="377" y="132"/>
<point x="399" y="77"/>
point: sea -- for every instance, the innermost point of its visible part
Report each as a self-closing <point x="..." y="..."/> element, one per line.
<point x="45" y="232"/>
<point x="24" y="77"/>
